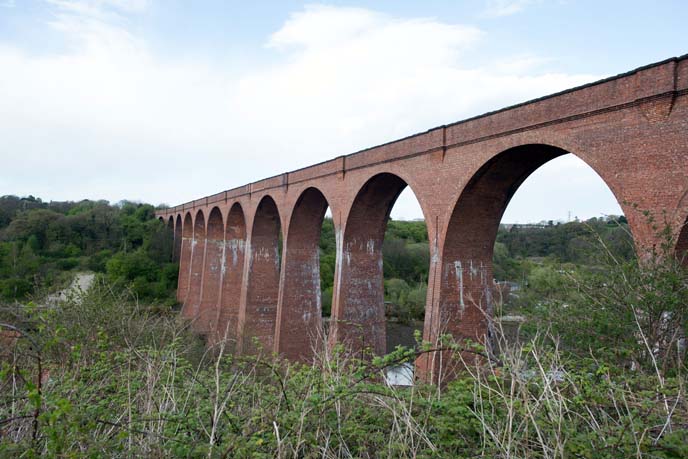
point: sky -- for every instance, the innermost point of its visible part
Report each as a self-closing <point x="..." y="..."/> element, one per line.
<point x="165" y="101"/>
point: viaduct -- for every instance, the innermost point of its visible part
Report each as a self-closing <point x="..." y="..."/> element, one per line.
<point x="236" y="281"/>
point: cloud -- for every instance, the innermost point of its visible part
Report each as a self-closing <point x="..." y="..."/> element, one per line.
<point x="108" y="118"/>
<point x="498" y="8"/>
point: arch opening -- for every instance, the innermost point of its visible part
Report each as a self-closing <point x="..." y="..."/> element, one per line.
<point x="300" y="326"/>
<point x="381" y="297"/>
<point x="212" y="272"/>
<point x="177" y="238"/>
<point x="564" y="218"/>
<point x="193" y="298"/>
<point x="264" y="265"/>
<point x="232" y="270"/>
<point x="169" y="238"/>
<point x="481" y="259"/>
<point x="185" y="244"/>
<point x="328" y="262"/>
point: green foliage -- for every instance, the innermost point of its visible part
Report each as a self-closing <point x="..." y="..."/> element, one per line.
<point x="408" y="302"/>
<point x="106" y="377"/>
<point x="573" y="242"/>
<point x="39" y="241"/>
<point x="629" y="311"/>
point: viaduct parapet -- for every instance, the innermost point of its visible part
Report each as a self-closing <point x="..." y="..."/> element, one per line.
<point x="234" y="280"/>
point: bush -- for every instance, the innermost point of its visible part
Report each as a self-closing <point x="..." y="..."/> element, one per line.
<point x="66" y="264"/>
<point x="119" y="380"/>
<point x="98" y="262"/>
<point x="634" y="313"/>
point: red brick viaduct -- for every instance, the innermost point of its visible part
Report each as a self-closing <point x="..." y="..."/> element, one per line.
<point x="632" y="129"/>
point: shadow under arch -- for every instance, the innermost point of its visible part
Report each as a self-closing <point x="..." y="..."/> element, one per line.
<point x="169" y="238"/>
<point x="232" y="275"/>
<point x="262" y="291"/>
<point x="682" y="244"/>
<point x="186" y="241"/>
<point x="212" y="272"/>
<point x="358" y="313"/>
<point x="193" y="298"/>
<point x="299" y="316"/>
<point x="177" y="238"/>
<point x="465" y="301"/>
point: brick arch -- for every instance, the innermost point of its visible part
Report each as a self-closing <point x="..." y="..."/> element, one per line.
<point x="358" y="312"/>
<point x="193" y="298"/>
<point x="468" y="243"/>
<point x="299" y="315"/>
<point x="232" y="274"/>
<point x="407" y="173"/>
<point x="177" y="237"/>
<point x="262" y="289"/>
<point x="212" y="271"/>
<point x="186" y="229"/>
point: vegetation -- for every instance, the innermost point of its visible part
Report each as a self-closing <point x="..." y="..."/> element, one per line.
<point x="104" y="376"/>
<point x="597" y="372"/>
<point x="43" y="244"/>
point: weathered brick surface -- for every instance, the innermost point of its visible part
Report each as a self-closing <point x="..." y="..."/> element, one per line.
<point x="360" y="294"/>
<point x="212" y="272"/>
<point x="232" y="276"/>
<point x="198" y="245"/>
<point x="258" y="307"/>
<point x="631" y="129"/>
<point x="299" y="307"/>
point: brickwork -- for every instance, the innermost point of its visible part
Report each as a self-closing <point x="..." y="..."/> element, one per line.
<point x="232" y="276"/>
<point x="631" y="129"/>
<point x="198" y="245"/>
<point x="212" y="272"/>
<point x="258" y="309"/>
<point x="300" y="309"/>
<point x="358" y="314"/>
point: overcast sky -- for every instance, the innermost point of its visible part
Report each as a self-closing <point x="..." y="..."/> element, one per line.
<point x="165" y="101"/>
